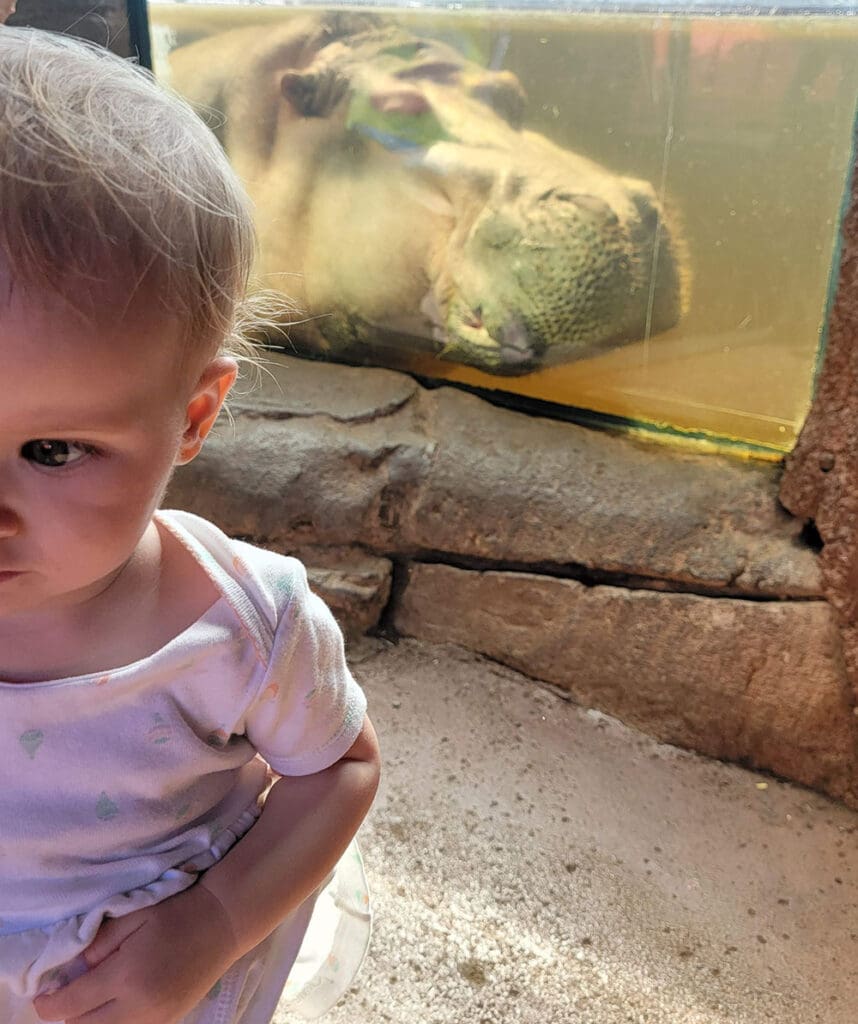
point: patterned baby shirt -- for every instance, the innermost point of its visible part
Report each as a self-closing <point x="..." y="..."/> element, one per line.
<point x="120" y="788"/>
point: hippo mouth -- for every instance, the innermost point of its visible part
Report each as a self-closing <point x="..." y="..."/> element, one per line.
<point x="510" y="350"/>
<point x="515" y="348"/>
<point x="462" y="336"/>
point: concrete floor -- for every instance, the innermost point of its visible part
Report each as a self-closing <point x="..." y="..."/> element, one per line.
<point x="535" y="862"/>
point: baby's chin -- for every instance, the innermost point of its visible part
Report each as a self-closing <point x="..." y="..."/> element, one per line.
<point x="28" y="594"/>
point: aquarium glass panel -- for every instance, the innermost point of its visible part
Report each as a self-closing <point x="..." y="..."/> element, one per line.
<point x="624" y="212"/>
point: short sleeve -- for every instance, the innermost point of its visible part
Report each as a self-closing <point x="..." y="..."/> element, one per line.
<point x="309" y="710"/>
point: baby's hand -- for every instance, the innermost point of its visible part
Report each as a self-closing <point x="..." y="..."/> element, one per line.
<point x="150" y="967"/>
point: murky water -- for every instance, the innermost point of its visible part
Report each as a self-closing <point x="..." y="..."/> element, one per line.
<point x="742" y="125"/>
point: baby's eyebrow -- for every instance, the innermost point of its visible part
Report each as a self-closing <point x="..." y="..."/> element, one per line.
<point x="109" y="423"/>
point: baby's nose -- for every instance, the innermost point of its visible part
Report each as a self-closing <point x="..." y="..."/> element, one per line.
<point x="10" y="524"/>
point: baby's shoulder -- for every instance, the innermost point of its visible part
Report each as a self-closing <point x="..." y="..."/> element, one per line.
<point x="283" y="577"/>
<point x="273" y="581"/>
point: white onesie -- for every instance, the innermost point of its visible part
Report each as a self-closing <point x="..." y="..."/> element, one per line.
<point x="120" y="788"/>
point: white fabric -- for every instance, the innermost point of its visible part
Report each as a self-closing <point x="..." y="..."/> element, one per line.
<point x="120" y="788"/>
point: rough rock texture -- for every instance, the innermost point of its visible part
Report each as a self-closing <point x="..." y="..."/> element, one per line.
<point x="328" y="464"/>
<point x="101" y="21"/>
<point x="354" y="585"/>
<point x="510" y="488"/>
<point x="297" y="387"/>
<point x="820" y="482"/>
<point x="355" y="456"/>
<point x="758" y="682"/>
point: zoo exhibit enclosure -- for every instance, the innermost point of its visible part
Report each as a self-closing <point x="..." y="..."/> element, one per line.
<point x="664" y="586"/>
<point x="610" y="210"/>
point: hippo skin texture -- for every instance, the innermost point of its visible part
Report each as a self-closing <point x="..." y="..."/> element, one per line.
<point x="404" y="208"/>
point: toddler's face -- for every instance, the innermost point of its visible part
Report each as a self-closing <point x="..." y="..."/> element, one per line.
<point x="91" y="421"/>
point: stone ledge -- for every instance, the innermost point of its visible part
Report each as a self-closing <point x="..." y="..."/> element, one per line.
<point x="762" y="683"/>
<point x="297" y="387"/>
<point x="366" y="457"/>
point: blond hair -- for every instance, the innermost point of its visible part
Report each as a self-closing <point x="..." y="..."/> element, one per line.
<point x="108" y="179"/>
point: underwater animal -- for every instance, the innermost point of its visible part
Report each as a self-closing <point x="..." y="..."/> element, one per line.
<point x="401" y="203"/>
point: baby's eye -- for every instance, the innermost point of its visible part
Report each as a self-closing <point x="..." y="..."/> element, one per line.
<point x="54" y="454"/>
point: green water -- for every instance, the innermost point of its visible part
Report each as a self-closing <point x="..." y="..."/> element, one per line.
<point x="743" y="126"/>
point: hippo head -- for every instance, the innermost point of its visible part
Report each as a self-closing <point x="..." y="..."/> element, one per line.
<point x="557" y="264"/>
<point x="424" y="210"/>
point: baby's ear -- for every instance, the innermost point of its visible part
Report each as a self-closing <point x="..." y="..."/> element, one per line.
<point x="204" y="406"/>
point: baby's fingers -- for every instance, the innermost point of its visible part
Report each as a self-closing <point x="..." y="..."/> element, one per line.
<point x="75" y="1000"/>
<point x="110" y="937"/>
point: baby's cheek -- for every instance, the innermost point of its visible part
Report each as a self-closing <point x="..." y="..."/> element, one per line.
<point x="113" y="503"/>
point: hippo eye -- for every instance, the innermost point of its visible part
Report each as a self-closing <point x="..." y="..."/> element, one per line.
<point x="405" y="51"/>
<point x="440" y="71"/>
<point x="557" y="195"/>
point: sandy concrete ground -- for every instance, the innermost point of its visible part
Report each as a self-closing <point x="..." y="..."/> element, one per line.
<point x="535" y="862"/>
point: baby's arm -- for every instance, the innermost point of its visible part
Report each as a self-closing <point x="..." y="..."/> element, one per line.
<point x="153" y="966"/>
<point x="306" y="824"/>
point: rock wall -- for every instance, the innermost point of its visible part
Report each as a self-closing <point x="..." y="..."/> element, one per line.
<point x="669" y="589"/>
<point x="820" y="482"/>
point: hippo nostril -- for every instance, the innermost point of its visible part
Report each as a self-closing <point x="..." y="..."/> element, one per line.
<point x="648" y="210"/>
<point x="650" y="219"/>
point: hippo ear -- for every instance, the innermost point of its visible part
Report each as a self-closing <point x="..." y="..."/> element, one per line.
<point x="313" y="93"/>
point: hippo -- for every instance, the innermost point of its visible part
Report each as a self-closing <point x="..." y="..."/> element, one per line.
<point x="404" y="207"/>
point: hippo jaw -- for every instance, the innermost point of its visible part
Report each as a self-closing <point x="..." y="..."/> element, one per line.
<point x="464" y="338"/>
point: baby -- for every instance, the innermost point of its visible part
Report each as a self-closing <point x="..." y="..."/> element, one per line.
<point x="154" y="674"/>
